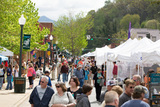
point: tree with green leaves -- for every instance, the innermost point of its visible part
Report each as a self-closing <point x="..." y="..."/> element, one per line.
<point x="152" y="24"/>
<point x="10" y="13"/>
<point x="71" y="32"/>
<point x="134" y="19"/>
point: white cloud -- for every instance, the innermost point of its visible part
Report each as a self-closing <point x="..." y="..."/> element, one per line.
<point x="55" y="8"/>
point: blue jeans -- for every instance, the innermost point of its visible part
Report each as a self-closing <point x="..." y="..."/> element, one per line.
<point x="1" y="82"/>
<point x="64" y="76"/>
<point x="81" y="82"/>
<point x="59" y="77"/>
<point x="9" y="82"/>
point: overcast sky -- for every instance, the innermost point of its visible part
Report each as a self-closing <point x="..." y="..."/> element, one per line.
<point x="55" y="8"/>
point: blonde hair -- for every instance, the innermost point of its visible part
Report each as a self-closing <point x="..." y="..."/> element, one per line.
<point x="117" y="89"/>
<point x="30" y="65"/>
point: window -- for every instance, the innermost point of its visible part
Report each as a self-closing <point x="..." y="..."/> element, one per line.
<point x="153" y="38"/>
<point x="140" y="37"/>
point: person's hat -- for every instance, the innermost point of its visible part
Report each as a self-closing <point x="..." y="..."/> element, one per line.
<point x="46" y="72"/>
<point x="111" y="83"/>
<point x="139" y="89"/>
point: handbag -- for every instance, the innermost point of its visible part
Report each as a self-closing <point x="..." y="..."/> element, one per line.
<point x="33" y="76"/>
<point x="102" y="82"/>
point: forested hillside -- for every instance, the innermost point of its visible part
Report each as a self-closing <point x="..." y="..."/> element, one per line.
<point x="112" y="20"/>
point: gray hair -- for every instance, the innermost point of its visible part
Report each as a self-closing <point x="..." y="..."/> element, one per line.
<point x="138" y="77"/>
<point x="46" y="78"/>
<point x="110" y="97"/>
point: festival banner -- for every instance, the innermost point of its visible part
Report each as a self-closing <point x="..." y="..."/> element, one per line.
<point x="26" y="41"/>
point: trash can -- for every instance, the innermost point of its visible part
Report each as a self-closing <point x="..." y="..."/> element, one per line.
<point x="19" y="84"/>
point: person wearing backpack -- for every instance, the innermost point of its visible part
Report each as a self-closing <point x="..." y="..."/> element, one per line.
<point x="1" y="76"/>
<point x="30" y="73"/>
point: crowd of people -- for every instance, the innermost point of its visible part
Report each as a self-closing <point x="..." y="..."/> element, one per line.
<point x="82" y="75"/>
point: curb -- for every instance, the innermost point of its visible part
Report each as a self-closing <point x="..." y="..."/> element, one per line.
<point x="18" y="103"/>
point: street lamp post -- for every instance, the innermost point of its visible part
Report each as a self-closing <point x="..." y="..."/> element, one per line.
<point x="51" y="38"/>
<point x="22" y="21"/>
<point x="44" y="54"/>
<point x="20" y="82"/>
<point x="56" y="51"/>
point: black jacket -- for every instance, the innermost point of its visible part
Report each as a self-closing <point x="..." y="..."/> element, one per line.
<point x="34" y="97"/>
<point x="95" y="79"/>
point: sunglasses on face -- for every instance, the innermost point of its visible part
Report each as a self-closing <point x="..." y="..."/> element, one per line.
<point x="57" y="86"/>
<point x="131" y="87"/>
<point x="42" y="81"/>
<point x="135" y="80"/>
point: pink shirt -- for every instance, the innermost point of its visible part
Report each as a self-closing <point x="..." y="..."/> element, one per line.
<point x="30" y="72"/>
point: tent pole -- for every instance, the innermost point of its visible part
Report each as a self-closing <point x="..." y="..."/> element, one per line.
<point x="138" y="68"/>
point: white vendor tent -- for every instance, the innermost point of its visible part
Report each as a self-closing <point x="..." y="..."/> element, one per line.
<point x="3" y="58"/>
<point x="150" y="54"/>
<point x="6" y="52"/>
<point x="100" y="54"/>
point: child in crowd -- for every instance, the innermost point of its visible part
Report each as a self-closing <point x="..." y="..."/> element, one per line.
<point x="86" y="72"/>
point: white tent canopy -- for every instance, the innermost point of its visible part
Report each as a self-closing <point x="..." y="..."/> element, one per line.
<point x="3" y="58"/>
<point x="89" y="54"/>
<point x="123" y="51"/>
<point x="6" y="52"/>
<point x="149" y="54"/>
<point x="100" y="54"/>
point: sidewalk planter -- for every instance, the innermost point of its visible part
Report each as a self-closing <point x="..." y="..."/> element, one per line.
<point x="19" y="85"/>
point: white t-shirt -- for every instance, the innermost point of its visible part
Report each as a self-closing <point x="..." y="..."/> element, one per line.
<point x="65" y="99"/>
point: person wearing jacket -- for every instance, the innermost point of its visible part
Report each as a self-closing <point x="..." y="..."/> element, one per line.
<point x="82" y="100"/>
<point x="41" y="95"/>
<point x="9" y="77"/>
<point x="96" y="81"/>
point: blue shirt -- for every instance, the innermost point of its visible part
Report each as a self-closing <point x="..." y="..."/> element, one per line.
<point x="135" y="103"/>
<point x="79" y="74"/>
<point x="9" y="72"/>
<point x="86" y="75"/>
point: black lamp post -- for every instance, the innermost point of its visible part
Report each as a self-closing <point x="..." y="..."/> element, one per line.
<point x="22" y="21"/>
<point x="20" y="82"/>
<point x="56" y="51"/>
<point x="51" y="38"/>
<point x="44" y="55"/>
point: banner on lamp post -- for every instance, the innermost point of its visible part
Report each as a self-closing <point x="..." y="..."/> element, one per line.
<point x="26" y="41"/>
<point x="49" y="44"/>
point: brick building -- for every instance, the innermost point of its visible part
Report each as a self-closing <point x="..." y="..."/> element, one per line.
<point x="44" y="22"/>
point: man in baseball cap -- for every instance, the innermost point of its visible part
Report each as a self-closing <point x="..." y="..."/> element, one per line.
<point x="110" y="84"/>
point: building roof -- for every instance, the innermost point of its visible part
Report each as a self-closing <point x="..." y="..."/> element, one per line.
<point x="44" y="19"/>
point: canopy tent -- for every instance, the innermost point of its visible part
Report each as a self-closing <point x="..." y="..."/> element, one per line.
<point x="100" y="54"/>
<point x="3" y="58"/>
<point x="89" y="54"/>
<point x="6" y="52"/>
<point x="136" y="47"/>
<point x="151" y="54"/>
<point x="123" y="51"/>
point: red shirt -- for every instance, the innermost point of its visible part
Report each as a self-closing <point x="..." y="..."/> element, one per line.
<point x="115" y="69"/>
